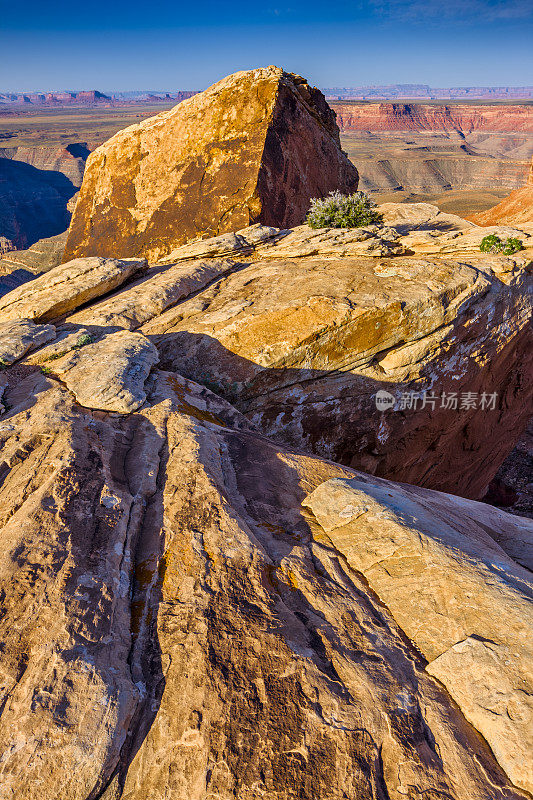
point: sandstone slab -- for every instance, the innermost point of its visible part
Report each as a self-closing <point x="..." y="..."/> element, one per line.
<point x="66" y="288"/>
<point x="455" y="591"/>
<point x="109" y="374"/>
<point x="253" y="148"/>
<point x="150" y="297"/>
<point x="21" y="337"/>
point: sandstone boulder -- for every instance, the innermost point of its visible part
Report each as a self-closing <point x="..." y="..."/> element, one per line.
<point x="66" y="287"/>
<point x="178" y="622"/>
<point x="255" y="147"/>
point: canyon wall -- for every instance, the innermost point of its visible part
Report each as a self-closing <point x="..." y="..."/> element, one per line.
<point x="463" y="119"/>
<point x="515" y="209"/>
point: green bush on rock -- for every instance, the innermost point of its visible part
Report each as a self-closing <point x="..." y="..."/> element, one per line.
<point x="493" y="244"/>
<point x="342" y="211"/>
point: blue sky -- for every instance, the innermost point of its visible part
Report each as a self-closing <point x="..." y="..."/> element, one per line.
<point x="165" y="45"/>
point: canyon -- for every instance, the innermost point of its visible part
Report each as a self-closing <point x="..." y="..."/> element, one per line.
<point x="243" y="550"/>
<point x="432" y="148"/>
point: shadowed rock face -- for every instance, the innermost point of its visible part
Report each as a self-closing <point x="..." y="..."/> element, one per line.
<point x="255" y="147"/>
<point x="33" y="202"/>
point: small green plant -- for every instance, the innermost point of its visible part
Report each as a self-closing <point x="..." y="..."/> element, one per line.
<point x="490" y="244"/>
<point x="512" y="245"/>
<point x="3" y="364"/>
<point x="46" y="370"/>
<point x="493" y="244"/>
<point x="84" y="339"/>
<point x="342" y="211"/>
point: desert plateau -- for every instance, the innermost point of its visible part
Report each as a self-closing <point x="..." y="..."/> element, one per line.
<point x="266" y="404"/>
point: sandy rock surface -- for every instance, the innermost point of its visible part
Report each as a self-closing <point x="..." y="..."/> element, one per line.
<point x="109" y="374"/>
<point x="21" y="337"/>
<point x="412" y="546"/>
<point x="177" y="622"/>
<point x="195" y="603"/>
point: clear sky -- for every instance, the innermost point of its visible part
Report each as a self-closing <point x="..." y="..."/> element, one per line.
<point x="168" y="45"/>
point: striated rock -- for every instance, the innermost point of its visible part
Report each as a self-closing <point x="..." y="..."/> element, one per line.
<point x="206" y="636"/>
<point x="303" y="345"/>
<point x="40" y="257"/>
<point x="152" y="295"/>
<point x="516" y="209"/>
<point x="410" y="543"/>
<point x="66" y="288"/>
<point x="20" y="337"/>
<point x="456" y="118"/>
<point x="109" y="374"/>
<point x="253" y="148"/>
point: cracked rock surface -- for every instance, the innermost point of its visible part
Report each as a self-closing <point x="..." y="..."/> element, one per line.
<point x="178" y="623"/>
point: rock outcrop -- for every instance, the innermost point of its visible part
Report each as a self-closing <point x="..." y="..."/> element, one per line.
<point x="302" y="342"/>
<point x="195" y="602"/>
<point x="516" y="209"/>
<point x="183" y="615"/>
<point x="255" y="147"/>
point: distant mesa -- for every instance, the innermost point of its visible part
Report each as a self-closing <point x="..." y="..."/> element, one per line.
<point x="88" y="98"/>
<point x="442" y="118"/>
<point x="421" y="91"/>
<point x="255" y="147"/>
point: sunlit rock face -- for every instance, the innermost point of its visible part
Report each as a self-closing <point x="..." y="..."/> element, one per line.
<point x="255" y="147"/>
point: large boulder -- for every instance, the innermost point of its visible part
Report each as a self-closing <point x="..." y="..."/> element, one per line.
<point x="254" y="147"/>
<point x="189" y="610"/>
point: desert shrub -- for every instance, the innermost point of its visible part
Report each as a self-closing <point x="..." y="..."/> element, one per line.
<point x="342" y="211"/>
<point x="512" y="245"/>
<point x="84" y="339"/>
<point x="493" y="244"/>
